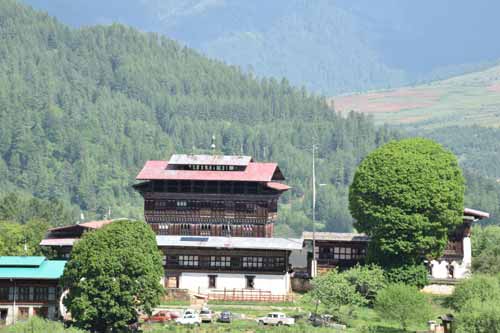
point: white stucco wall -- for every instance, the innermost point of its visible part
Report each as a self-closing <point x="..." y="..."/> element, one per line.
<point x="198" y="282"/>
<point x="467" y="260"/>
<point x="461" y="268"/>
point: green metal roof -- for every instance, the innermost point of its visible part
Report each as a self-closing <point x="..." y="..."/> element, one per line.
<point x="21" y="261"/>
<point x="26" y="268"/>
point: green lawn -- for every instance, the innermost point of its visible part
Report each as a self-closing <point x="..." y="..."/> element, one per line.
<point x="362" y="320"/>
<point x="175" y="303"/>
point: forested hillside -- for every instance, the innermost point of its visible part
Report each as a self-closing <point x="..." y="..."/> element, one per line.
<point x="81" y="110"/>
<point x="329" y="46"/>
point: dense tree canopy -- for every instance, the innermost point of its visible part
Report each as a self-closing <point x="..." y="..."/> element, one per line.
<point x="24" y="220"/>
<point x="113" y="274"/>
<point x="486" y="249"/>
<point x="81" y="110"/>
<point x="407" y="196"/>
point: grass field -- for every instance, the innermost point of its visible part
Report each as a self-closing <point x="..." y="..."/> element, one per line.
<point x="468" y="99"/>
<point x="363" y="319"/>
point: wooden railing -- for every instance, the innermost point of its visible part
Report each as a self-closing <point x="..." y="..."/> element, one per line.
<point x="246" y="295"/>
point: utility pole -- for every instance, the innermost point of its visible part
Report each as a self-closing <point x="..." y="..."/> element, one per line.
<point x="314" y="263"/>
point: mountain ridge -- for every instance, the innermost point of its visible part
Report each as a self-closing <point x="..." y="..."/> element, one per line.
<point x="329" y="47"/>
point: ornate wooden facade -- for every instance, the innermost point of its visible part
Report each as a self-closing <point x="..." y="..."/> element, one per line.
<point x="203" y="195"/>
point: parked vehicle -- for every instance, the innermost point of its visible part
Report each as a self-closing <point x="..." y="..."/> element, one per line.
<point x="160" y="317"/>
<point x="206" y="315"/>
<point x="276" y="318"/>
<point x="134" y="327"/>
<point x="325" y="321"/>
<point x="189" y="317"/>
<point x="225" y="317"/>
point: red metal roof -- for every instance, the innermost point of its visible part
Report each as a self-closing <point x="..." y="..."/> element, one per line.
<point x="257" y="172"/>
<point x="86" y="225"/>
<point x="277" y="186"/>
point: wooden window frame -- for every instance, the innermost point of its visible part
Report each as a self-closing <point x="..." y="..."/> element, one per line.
<point x="249" y="281"/>
<point x="212" y="281"/>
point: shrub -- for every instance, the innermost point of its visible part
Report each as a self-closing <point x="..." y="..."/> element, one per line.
<point x="368" y="280"/>
<point x="38" y="325"/>
<point x="478" y="317"/>
<point x="413" y="275"/>
<point x="402" y="303"/>
<point x="480" y="288"/>
<point x="333" y="290"/>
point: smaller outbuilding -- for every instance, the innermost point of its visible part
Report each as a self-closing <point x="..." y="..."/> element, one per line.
<point x="29" y="286"/>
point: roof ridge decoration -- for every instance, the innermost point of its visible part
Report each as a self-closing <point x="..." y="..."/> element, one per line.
<point x="203" y="159"/>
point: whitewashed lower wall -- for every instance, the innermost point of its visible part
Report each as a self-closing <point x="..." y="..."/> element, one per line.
<point x="461" y="268"/>
<point x="198" y="282"/>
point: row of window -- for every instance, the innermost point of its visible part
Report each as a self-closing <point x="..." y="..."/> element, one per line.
<point x="342" y="253"/>
<point x="219" y="205"/>
<point x="37" y="294"/>
<point x="173" y="186"/>
<point x="218" y="262"/>
<point x="247" y="230"/>
<point x="249" y="281"/>
<point x="203" y="167"/>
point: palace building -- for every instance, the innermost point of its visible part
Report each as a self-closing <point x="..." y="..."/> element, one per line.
<point x="205" y="195"/>
<point x="214" y="217"/>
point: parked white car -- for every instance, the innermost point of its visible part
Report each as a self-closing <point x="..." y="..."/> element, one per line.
<point x="206" y="315"/>
<point x="276" y="318"/>
<point x="189" y="317"/>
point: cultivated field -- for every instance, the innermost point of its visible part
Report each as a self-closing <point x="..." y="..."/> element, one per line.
<point x="463" y="100"/>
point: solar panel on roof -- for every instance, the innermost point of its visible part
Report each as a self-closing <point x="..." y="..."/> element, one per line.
<point x="194" y="239"/>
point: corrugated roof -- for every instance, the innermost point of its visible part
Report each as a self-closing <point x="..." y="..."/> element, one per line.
<point x="257" y="172"/>
<point x="336" y="236"/>
<point x="58" y="241"/>
<point x="476" y="213"/>
<point x="87" y="225"/>
<point x="21" y="261"/>
<point x="277" y="186"/>
<point x="48" y="269"/>
<point x="257" y="243"/>
<point x="184" y="159"/>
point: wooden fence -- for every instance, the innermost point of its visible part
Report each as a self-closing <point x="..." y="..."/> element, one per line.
<point x="246" y="295"/>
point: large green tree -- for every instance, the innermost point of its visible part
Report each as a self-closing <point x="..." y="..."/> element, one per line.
<point x="114" y="274"/>
<point x="407" y="196"/>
